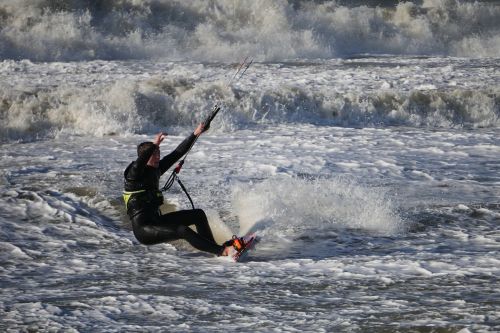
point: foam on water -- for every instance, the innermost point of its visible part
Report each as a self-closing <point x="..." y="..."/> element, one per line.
<point x="331" y="258"/>
<point x="373" y="180"/>
<point x="103" y="98"/>
<point x="50" y="30"/>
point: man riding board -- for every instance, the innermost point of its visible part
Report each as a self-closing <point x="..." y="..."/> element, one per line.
<point x="143" y="199"/>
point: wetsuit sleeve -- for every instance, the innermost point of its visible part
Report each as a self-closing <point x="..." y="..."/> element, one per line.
<point x="135" y="170"/>
<point x="169" y="160"/>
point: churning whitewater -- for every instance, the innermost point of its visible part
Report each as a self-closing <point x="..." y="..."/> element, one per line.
<point x="362" y="145"/>
<point x="54" y="30"/>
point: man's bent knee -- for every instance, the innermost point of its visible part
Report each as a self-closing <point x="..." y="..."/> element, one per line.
<point x="183" y="231"/>
<point x="200" y="213"/>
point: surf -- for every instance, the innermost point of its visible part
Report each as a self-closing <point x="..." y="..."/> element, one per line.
<point x="221" y="30"/>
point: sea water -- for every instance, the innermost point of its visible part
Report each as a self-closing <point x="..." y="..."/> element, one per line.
<point x="362" y="145"/>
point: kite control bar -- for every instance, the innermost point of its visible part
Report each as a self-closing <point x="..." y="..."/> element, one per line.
<point x="210" y="117"/>
<point x="173" y="177"/>
<point x="242" y="68"/>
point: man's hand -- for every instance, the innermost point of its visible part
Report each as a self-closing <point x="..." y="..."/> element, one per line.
<point x="200" y="129"/>
<point x="159" y="138"/>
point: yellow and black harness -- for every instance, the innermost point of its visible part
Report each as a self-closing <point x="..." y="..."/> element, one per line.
<point x="147" y="196"/>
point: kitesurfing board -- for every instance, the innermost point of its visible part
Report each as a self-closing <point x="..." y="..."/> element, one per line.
<point x="250" y="241"/>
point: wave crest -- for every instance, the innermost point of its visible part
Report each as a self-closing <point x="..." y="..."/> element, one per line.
<point x="125" y="107"/>
<point x="222" y="30"/>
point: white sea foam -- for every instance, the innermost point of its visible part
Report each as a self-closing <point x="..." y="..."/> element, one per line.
<point x="222" y="30"/>
<point x="69" y="259"/>
<point x="103" y="98"/>
<point x="372" y="180"/>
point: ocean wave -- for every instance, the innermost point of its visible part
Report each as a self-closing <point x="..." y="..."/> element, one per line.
<point x="125" y="107"/>
<point x="222" y="30"/>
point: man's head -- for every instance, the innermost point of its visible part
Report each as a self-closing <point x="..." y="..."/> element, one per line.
<point x="154" y="160"/>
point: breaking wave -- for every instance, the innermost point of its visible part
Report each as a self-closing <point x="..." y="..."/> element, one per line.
<point x="125" y="107"/>
<point x="222" y="30"/>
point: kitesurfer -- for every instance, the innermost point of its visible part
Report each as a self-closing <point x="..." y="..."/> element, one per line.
<point x="143" y="198"/>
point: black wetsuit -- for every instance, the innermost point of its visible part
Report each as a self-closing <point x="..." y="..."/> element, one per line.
<point x="149" y="225"/>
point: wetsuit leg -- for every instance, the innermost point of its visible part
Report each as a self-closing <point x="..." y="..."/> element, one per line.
<point x="180" y="221"/>
<point x="146" y="231"/>
<point x="197" y="241"/>
<point x="194" y="217"/>
<point x="153" y="229"/>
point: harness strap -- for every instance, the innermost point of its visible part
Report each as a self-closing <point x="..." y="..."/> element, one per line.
<point x="128" y="194"/>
